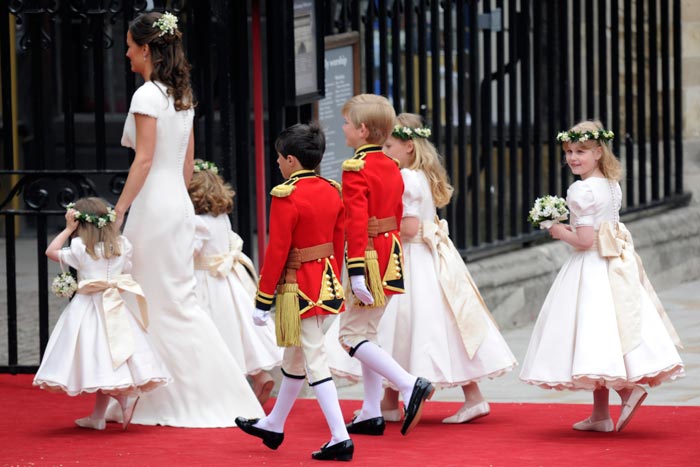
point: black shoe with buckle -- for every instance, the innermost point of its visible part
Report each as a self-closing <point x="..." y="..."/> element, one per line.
<point x="372" y="426"/>
<point x="341" y="451"/>
<point x="271" y="439"/>
<point x="422" y="391"/>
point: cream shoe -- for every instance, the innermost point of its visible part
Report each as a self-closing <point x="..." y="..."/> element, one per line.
<point x="604" y="426"/>
<point x="466" y="414"/>
<point x="630" y="406"/>
<point x="128" y="412"/>
<point x="390" y="415"/>
<point x="88" y="422"/>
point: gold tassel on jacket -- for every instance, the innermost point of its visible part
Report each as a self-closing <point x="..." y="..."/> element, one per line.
<point x="287" y="319"/>
<point x="374" y="278"/>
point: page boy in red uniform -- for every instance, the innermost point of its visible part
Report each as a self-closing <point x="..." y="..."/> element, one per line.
<point x="372" y="190"/>
<point x="302" y="265"/>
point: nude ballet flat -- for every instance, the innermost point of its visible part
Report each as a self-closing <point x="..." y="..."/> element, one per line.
<point x="630" y="406"/>
<point x="128" y="413"/>
<point x="262" y="391"/>
<point x="88" y="422"/>
<point x="390" y="415"/>
<point x="466" y="414"/>
<point x="604" y="426"/>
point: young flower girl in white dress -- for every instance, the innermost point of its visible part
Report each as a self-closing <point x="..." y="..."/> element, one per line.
<point x="100" y="344"/>
<point x="226" y="280"/>
<point x="441" y="327"/>
<point x="601" y="326"/>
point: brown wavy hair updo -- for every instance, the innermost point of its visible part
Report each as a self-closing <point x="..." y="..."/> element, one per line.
<point x="170" y="66"/>
<point x="209" y="192"/>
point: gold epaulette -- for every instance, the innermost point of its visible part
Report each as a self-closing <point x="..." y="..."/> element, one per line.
<point x="334" y="184"/>
<point x="283" y="190"/>
<point x="353" y="165"/>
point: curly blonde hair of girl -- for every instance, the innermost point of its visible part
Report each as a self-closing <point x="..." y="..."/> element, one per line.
<point x="608" y="163"/>
<point x="170" y="66"/>
<point x="427" y="159"/>
<point x="92" y="236"/>
<point x="209" y="192"/>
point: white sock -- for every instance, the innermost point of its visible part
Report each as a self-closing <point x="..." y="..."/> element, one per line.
<point x="288" y="393"/>
<point x="372" y="384"/>
<point x="327" y="396"/>
<point x="381" y="362"/>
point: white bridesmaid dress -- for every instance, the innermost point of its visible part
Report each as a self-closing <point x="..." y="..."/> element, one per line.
<point x="209" y="388"/>
<point x="576" y="342"/>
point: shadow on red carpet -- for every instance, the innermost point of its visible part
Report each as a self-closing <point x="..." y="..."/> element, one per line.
<point x="36" y="429"/>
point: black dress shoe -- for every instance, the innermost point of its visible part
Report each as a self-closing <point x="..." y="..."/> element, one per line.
<point x="422" y="390"/>
<point x="372" y="426"/>
<point x="271" y="439"/>
<point x="338" y="452"/>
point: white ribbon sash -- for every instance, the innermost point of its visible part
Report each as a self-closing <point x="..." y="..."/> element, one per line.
<point x="114" y="310"/>
<point x="466" y="303"/>
<point x="626" y="274"/>
<point x="234" y="260"/>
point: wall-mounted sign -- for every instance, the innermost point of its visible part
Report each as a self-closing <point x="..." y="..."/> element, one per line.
<point x="304" y="52"/>
<point x="342" y="81"/>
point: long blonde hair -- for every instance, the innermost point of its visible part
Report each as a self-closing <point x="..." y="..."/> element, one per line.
<point x="91" y="235"/>
<point x="427" y="159"/>
<point x="609" y="164"/>
<point x="209" y="192"/>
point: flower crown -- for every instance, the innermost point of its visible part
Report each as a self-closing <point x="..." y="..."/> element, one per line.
<point x="206" y="165"/>
<point x="572" y="136"/>
<point x="406" y="132"/>
<point x="167" y="24"/>
<point x="97" y="221"/>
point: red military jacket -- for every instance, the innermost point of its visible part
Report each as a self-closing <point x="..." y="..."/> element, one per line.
<point x="373" y="187"/>
<point x="306" y="211"/>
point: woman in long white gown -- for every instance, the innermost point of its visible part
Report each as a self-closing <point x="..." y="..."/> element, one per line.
<point x="209" y="389"/>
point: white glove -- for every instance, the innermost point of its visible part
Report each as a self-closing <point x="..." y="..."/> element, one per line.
<point x="260" y="317"/>
<point x="359" y="288"/>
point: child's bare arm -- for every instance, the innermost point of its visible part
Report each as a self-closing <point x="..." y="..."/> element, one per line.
<point x="582" y="239"/>
<point x="410" y="227"/>
<point x="60" y="239"/>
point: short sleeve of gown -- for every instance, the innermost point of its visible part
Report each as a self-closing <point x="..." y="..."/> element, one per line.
<point x="148" y="100"/>
<point x="201" y="234"/>
<point x="127" y="252"/>
<point x="74" y="255"/>
<point x="412" y="195"/>
<point x="581" y="203"/>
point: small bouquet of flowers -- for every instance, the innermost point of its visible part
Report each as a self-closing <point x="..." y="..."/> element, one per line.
<point x="64" y="285"/>
<point x="547" y="211"/>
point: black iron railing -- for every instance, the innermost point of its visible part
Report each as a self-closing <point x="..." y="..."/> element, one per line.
<point x="495" y="79"/>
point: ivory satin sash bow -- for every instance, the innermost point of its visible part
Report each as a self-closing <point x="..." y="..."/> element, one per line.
<point x="233" y="260"/>
<point x="626" y="274"/>
<point x="114" y="310"/>
<point x="466" y="303"/>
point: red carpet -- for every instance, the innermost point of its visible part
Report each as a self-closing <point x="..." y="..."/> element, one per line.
<point x="36" y="429"/>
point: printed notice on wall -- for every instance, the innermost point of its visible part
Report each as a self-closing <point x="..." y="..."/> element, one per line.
<point x="305" y="47"/>
<point x="340" y="87"/>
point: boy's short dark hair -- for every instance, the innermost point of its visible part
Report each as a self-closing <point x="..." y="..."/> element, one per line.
<point x="305" y="142"/>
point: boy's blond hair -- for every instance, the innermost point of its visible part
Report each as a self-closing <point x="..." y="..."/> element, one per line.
<point x="608" y="163"/>
<point x="91" y="235"/>
<point x="376" y="112"/>
<point x="209" y="192"/>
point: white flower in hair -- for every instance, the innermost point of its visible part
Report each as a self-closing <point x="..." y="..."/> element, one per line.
<point x="167" y="24"/>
